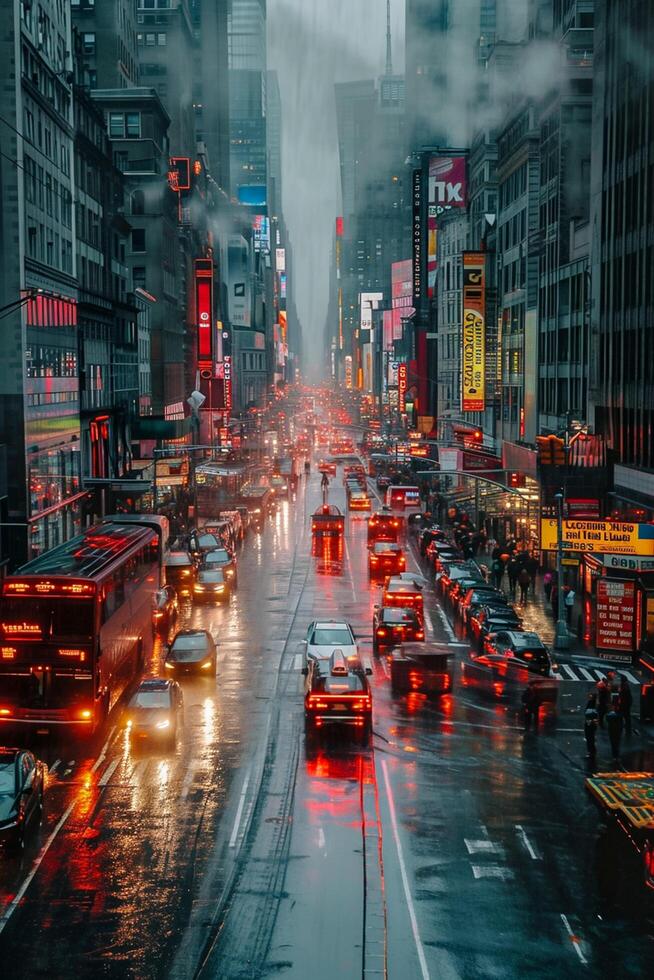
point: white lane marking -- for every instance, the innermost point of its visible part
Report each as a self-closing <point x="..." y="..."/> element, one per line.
<point x="584" y="672"/>
<point x="239" y="811"/>
<point x="349" y="569"/>
<point x="385" y="667"/>
<point x="108" y="773"/>
<point x="405" y="879"/>
<point x="18" y="897"/>
<point x="428" y="621"/>
<point x="55" y="765"/>
<point x="139" y="769"/>
<point x="297" y="661"/>
<point x="568" y="671"/>
<point x="321" y="838"/>
<point x="103" y="751"/>
<point x="630" y="677"/>
<point x="491" y="871"/>
<point x="574" y="939"/>
<point x="482" y="846"/>
<point x="525" y="840"/>
<point x="188" y="779"/>
<point x="446" y="625"/>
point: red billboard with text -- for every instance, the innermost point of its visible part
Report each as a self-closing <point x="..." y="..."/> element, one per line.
<point x="204" y="311"/>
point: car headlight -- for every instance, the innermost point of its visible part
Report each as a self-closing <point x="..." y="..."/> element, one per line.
<point x="230" y="572"/>
<point x="199" y="588"/>
<point x="163" y="724"/>
<point x="205" y="665"/>
<point x="168" y="665"/>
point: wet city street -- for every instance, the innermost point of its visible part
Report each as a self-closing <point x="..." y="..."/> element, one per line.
<point x="455" y="845"/>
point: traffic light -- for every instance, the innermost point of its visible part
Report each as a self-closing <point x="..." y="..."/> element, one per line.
<point x="544" y="450"/>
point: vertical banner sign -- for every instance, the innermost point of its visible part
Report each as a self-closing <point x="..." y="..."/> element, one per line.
<point x="204" y="311"/>
<point x="401" y="385"/>
<point x="348" y="371"/>
<point x="615" y="615"/>
<point x="473" y="357"/>
<point x="417" y="237"/>
<point x="227" y="368"/>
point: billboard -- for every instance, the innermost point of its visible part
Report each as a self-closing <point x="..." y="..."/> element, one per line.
<point x="283" y="324"/>
<point x="204" y="311"/>
<point x="473" y="352"/>
<point x="280" y="259"/>
<point x="261" y="226"/>
<point x="339" y="227"/>
<point x="616" y="615"/>
<point x="432" y="249"/>
<point x="238" y="281"/>
<point x="282" y="286"/>
<point x="368" y="302"/>
<point x="417" y="236"/>
<point x="348" y="371"/>
<point x="402" y="375"/>
<point x="252" y="195"/>
<point x="600" y="537"/>
<point x="401" y="284"/>
<point x="447" y="182"/>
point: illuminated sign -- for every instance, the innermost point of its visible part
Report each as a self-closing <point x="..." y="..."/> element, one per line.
<point x="401" y="385"/>
<point x="8" y="653"/>
<point x="179" y="174"/>
<point x="417" y="236"/>
<point x="348" y="371"/>
<point x="447" y="182"/>
<point x="616" y="608"/>
<point x="600" y="537"/>
<point x="473" y="356"/>
<point x="227" y="381"/>
<point x="280" y="259"/>
<point x="204" y="310"/>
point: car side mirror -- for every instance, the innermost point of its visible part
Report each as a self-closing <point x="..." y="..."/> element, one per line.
<point x="304" y="643"/>
<point x="369" y="671"/>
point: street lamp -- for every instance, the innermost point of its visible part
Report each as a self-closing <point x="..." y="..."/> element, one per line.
<point x="562" y="636"/>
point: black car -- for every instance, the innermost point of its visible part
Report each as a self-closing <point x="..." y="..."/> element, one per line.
<point x="221" y="558"/>
<point x="201" y="542"/>
<point x="165" y="609"/>
<point x="153" y="710"/>
<point x="491" y="619"/>
<point x="179" y="569"/>
<point x="430" y="534"/>
<point x="212" y="585"/>
<point x="392" y="625"/>
<point x="478" y="595"/>
<point x="337" y="693"/>
<point x="21" y="795"/>
<point x="192" y="651"/>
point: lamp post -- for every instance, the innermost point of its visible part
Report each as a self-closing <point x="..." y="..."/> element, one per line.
<point x="562" y="636"/>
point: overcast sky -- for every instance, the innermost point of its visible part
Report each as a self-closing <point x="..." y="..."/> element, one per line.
<point x="313" y="44"/>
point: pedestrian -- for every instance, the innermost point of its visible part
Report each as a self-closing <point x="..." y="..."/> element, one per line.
<point x="603" y="696"/>
<point x="498" y="572"/>
<point x="524" y="581"/>
<point x="590" y="724"/>
<point x="513" y="571"/>
<point x="626" y="701"/>
<point x="554" y="599"/>
<point x="533" y="565"/>
<point x="548" y="582"/>
<point x="530" y="705"/>
<point x="615" y="724"/>
<point x="569" y="602"/>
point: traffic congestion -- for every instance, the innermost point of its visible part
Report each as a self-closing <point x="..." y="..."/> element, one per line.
<point x="315" y="704"/>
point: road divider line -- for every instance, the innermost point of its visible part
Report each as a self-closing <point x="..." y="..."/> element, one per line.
<point x="349" y="569"/>
<point x="239" y="810"/>
<point x="103" y="751"/>
<point x="405" y="878"/>
<point x="108" y="773"/>
<point x="188" y="779"/>
<point x="18" y="897"/>
<point x="525" y="840"/>
<point x="446" y="623"/>
<point x="574" y="940"/>
<point x="297" y="661"/>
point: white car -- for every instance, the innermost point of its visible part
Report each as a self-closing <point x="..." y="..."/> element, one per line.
<point x="326" y="635"/>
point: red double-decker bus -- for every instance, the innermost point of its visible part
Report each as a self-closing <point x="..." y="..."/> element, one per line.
<point x="75" y="626"/>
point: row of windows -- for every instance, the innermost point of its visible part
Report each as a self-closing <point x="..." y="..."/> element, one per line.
<point x="514" y="186"/>
<point x="152" y="40"/>
<point x="119" y="587"/>
<point x="52" y="398"/>
<point x="123" y="125"/>
<point x="513" y="231"/>
<point x="45" y="246"/>
<point x="47" y="193"/>
<point x="51" y="362"/>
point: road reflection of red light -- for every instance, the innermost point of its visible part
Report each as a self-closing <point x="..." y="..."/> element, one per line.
<point x="415" y="701"/>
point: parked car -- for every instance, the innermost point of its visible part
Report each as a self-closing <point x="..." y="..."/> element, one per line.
<point x="21" y="795"/>
<point x="503" y="671"/>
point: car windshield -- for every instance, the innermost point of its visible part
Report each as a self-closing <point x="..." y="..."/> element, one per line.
<point x="384" y="548"/>
<point x="150" y="699"/>
<point x="527" y="641"/>
<point x="218" y="556"/>
<point x="196" y="641"/>
<point x="178" y="560"/>
<point x="208" y="541"/>
<point x="212" y="576"/>
<point x="333" y="685"/>
<point x="7" y="776"/>
<point x="323" y="637"/>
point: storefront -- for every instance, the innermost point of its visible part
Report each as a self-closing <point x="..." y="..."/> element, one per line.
<point x="617" y="605"/>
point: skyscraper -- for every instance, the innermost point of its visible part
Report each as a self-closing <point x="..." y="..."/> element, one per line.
<point x="247" y="94"/>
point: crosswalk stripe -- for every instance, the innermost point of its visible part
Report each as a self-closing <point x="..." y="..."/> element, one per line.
<point x="600" y="675"/>
<point x="630" y="677"/>
<point x="584" y="672"/>
<point x="297" y="661"/>
<point x="568" y="671"/>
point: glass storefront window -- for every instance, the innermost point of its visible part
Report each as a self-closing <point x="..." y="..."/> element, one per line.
<point x="54" y="475"/>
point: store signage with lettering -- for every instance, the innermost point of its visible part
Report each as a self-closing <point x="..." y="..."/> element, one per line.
<point x="417" y="237"/>
<point x="473" y="357"/>
<point x="615" y="615"/>
<point x="227" y="369"/>
<point x="600" y="537"/>
<point x="401" y="384"/>
<point x="629" y="564"/>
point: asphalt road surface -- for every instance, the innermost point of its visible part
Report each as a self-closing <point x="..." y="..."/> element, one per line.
<point x="455" y="846"/>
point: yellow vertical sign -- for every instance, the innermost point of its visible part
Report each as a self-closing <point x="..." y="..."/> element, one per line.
<point x="473" y="350"/>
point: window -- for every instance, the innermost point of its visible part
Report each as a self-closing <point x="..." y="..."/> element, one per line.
<point x="161" y="40"/>
<point x="116" y="125"/>
<point x="88" y="43"/>
<point x="138" y="239"/>
<point x="133" y="124"/>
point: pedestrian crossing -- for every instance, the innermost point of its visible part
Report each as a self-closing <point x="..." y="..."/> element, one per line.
<point x="588" y="675"/>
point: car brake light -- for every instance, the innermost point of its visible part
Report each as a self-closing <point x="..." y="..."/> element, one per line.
<point x="381" y="632"/>
<point x="420" y="635"/>
<point x="5" y="711"/>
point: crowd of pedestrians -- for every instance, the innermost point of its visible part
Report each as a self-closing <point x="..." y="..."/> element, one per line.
<point x="608" y="707"/>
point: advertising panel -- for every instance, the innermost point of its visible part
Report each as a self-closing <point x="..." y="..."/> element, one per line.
<point x="261" y="226"/>
<point x="388" y="330"/>
<point x="401" y="284"/>
<point x="238" y="278"/>
<point x="402" y="374"/>
<point x="228" y="382"/>
<point x="473" y="355"/>
<point x="600" y="537"/>
<point x="368" y="302"/>
<point x="283" y="325"/>
<point x="616" y="608"/>
<point x="432" y="249"/>
<point x="280" y="259"/>
<point x="417" y="236"/>
<point x="252" y="195"/>
<point x="282" y="286"/>
<point x="204" y="311"/>
<point x="348" y="371"/>
<point x="447" y="181"/>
